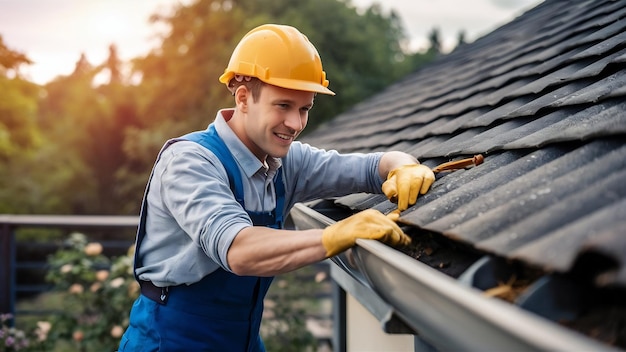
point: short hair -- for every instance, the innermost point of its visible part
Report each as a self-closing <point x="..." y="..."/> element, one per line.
<point x="253" y="84"/>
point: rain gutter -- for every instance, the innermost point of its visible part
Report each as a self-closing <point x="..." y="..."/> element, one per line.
<point x="407" y="296"/>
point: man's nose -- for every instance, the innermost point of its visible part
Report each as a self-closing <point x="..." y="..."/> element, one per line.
<point x="294" y="121"/>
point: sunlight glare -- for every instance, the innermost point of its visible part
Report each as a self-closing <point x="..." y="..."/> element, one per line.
<point x="109" y="25"/>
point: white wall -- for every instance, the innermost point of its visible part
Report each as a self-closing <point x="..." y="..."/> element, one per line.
<point x="364" y="332"/>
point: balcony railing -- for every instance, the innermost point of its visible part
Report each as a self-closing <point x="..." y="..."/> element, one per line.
<point x="9" y="224"/>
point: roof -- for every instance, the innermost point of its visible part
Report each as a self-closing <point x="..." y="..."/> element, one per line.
<point x="543" y="99"/>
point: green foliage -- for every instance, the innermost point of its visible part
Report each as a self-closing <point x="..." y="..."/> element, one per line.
<point x="11" y="339"/>
<point x="91" y="299"/>
<point x="86" y="128"/>
<point x="97" y="295"/>
<point x="11" y="60"/>
<point x="292" y="298"/>
<point x="18" y="117"/>
<point x="20" y="138"/>
<point x="93" y="295"/>
<point x="284" y="324"/>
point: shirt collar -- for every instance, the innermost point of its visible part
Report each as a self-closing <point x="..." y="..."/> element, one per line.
<point x="247" y="161"/>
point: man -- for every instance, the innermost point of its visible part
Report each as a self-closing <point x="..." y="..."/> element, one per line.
<point x="211" y="238"/>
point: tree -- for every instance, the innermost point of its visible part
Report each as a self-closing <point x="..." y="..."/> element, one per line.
<point x="82" y="67"/>
<point x="20" y="136"/>
<point x="68" y="109"/>
<point x="18" y="104"/>
<point x="461" y="38"/>
<point x="11" y="60"/>
<point x="89" y="124"/>
<point x="113" y="64"/>
<point x="435" y="41"/>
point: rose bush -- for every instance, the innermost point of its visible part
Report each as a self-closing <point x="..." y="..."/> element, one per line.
<point x="98" y="293"/>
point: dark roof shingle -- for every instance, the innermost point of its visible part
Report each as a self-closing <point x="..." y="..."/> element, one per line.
<point x="543" y="98"/>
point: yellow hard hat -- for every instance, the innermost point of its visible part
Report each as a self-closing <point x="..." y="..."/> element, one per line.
<point x="278" y="55"/>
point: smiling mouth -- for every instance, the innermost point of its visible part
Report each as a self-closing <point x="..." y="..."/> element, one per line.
<point x="285" y="137"/>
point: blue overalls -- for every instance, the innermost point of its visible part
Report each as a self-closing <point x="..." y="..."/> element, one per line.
<point x="221" y="312"/>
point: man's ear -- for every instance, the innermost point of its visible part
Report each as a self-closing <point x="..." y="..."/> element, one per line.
<point x="241" y="98"/>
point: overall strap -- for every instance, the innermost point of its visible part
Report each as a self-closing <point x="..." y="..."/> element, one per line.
<point x="141" y="228"/>
<point x="279" y="187"/>
<point x="212" y="141"/>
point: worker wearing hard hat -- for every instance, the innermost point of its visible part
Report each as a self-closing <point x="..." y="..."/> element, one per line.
<point x="211" y="234"/>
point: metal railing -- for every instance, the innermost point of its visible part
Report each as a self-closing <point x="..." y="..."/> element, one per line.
<point x="8" y="246"/>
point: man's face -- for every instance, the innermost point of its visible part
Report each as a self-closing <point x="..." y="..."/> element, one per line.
<point x="274" y="122"/>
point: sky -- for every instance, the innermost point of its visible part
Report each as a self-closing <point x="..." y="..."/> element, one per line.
<point x="54" y="33"/>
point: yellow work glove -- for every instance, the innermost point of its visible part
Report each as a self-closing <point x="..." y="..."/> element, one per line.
<point x="368" y="224"/>
<point x="406" y="182"/>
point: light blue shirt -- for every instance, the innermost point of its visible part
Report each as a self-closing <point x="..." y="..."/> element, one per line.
<point x="193" y="216"/>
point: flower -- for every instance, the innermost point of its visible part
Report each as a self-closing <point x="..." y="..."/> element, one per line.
<point x="76" y="289"/>
<point x="10" y="337"/>
<point x="320" y="276"/>
<point x="117" y="331"/>
<point x="66" y="268"/>
<point x="95" y="287"/>
<point x="5" y="317"/>
<point x="78" y="335"/>
<point x="117" y="282"/>
<point x="43" y="328"/>
<point x="93" y="249"/>
<point x="102" y="275"/>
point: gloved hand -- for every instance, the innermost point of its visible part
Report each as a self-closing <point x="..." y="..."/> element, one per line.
<point x="406" y="182"/>
<point x="368" y="224"/>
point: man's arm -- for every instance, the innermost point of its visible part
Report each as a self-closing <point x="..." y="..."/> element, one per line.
<point x="262" y="251"/>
